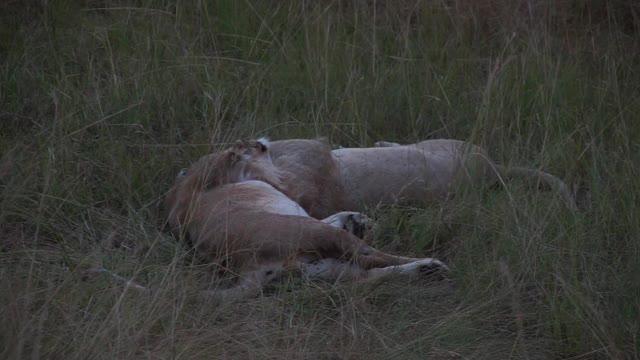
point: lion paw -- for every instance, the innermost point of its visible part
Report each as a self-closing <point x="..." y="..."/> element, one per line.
<point x="358" y="224"/>
<point x="353" y="222"/>
<point x="429" y="268"/>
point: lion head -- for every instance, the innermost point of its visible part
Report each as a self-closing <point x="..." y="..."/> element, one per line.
<point x="245" y="160"/>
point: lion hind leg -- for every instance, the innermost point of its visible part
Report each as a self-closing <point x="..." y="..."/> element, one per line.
<point x="347" y="247"/>
<point x="385" y="144"/>
<point x="324" y="241"/>
<point x="418" y="268"/>
<point x="371" y="258"/>
<point x="330" y="269"/>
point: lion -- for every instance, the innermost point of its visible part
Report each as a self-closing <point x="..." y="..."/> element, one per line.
<point x="325" y="181"/>
<point x="231" y="207"/>
<point x="470" y="163"/>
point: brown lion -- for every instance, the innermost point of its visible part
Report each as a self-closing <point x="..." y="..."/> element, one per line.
<point x="231" y="206"/>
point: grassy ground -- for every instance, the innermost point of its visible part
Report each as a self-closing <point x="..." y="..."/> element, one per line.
<point x="102" y="102"/>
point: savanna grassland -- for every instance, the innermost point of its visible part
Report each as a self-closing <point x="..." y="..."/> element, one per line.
<point x="102" y="102"/>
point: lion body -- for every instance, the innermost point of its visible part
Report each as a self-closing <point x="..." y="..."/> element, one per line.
<point x="324" y="181"/>
<point x="374" y="176"/>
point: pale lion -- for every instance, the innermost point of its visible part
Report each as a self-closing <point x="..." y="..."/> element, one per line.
<point x="431" y="169"/>
<point x="230" y="206"/>
<point x="324" y="181"/>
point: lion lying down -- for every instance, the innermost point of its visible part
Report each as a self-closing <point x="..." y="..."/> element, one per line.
<point x="231" y="208"/>
<point x="323" y="181"/>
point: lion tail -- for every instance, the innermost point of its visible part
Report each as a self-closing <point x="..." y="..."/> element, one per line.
<point x="541" y="178"/>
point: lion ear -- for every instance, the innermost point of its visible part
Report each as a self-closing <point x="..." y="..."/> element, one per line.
<point x="323" y="139"/>
<point x="263" y="143"/>
<point x="238" y="144"/>
<point x="236" y="150"/>
<point x="183" y="172"/>
<point x="233" y="156"/>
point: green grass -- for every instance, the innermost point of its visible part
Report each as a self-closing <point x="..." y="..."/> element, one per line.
<point x="101" y="103"/>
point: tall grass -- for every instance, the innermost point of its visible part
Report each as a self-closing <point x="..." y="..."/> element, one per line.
<point x="103" y="101"/>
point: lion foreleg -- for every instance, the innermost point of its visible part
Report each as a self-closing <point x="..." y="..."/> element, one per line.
<point x="330" y="269"/>
<point x="250" y="283"/>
